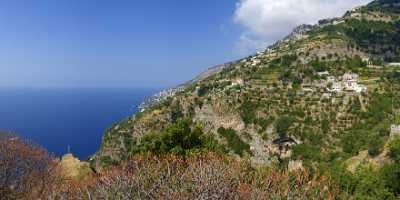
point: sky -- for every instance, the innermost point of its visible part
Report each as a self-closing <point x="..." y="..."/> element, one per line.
<point x="140" y="43"/>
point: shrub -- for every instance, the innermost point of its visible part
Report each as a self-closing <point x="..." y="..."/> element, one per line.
<point x="247" y="111"/>
<point x="179" y="139"/>
<point x="205" y="176"/>
<point x="306" y="152"/>
<point x="26" y="170"/>
<point x="369" y="185"/>
<point x="283" y="125"/>
<point x="395" y="150"/>
<point x="234" y="142"/>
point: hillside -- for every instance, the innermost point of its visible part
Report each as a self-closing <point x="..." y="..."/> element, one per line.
<point x="327" y="93"/>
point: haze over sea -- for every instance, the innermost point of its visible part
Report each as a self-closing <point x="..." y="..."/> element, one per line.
<point x="58" y="118"/>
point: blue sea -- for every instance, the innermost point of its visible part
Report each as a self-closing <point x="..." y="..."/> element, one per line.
<point x="58" y="118"/>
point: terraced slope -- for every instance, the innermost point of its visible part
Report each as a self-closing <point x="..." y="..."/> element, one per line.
<point x="285" y="103"/>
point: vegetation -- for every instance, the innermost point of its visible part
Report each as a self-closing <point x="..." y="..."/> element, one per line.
<point x="331" y="145"/>
<point x="234" y="142"/>
<point x="26" y="170"/>
<point x="177" y="139"/>
<point x="205" y="176"/>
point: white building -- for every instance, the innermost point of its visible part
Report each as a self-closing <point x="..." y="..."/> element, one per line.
<point x="307" y="89"/>
<point x="326" y="95"/>
<point x="325" y="73"/>
<point x="350" y="77"/>
<point x="394" y="130"/>
<point x="255" y="62"/>
<point x="394" y="64"/>
<point x="237" y="81"/>
<point x="356" y="8"/>
<point x="337" y="87"/>
<point x="350" y="81"/>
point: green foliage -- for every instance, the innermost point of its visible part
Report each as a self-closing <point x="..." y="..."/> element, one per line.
<point x="176" y="111"/>
<point x="390" y="173"/>
<point x="370" y="185"/>
<point x="395" y="150"/>
<point x="247" y="111"/>
<point x="342" y="177"/>
<point x="355" y="63"/>
<point x="306" y="152"/>
<point x="376" y="37"/>
<point x="369" y="135"/>
<point x="108" y="161"/>
<point x="234" y="142"/>
<point x="287" y="60"/>
<point x="178" y="139"/>
<point x="203" y="90"/>
<point x="283" y="124"/>
<point x="264" y="122"/>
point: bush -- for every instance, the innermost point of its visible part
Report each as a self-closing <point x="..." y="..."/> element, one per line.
<point x="205" y="176"/>
<point x="370" y="185"/>
<point x="395" y="150"/>
<point x="234" y="142"/>
<point x="306" y="152"/>
<point x="179" y="139"/>
<point x="247" y="111"/>
<point x="26" y="170"/>
<point x="283" y="125"/>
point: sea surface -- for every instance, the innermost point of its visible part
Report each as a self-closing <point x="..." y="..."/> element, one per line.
<point x="58" y="118"/>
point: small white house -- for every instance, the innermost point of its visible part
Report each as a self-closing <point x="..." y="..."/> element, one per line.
<point x="326" y="95"/>
<point x="337" y="87"/>
<point x="394" y="130"/>
<point x="350" y="77"/>
<point x="307" y="89"/>
<point x="324" y="73"/>
<point x="394" y="64"/>
<point x="350" y="81"/>
<point x="237" y="81"/>
<point x="255" y="62"/>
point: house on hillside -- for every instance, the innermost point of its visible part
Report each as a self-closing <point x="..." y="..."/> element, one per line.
<point x="350" y="81"/>
<point x="355" y="9"/>
<point x="282" y="146"/>
<point x="255" y="62"/>
<point x="336" y="87"/>
<point x="394" y="64"/>
<point x="394" y="130"/>
<point x="324" y="73"/>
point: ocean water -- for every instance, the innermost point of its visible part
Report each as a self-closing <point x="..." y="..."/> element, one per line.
<point x="58" y="118"/>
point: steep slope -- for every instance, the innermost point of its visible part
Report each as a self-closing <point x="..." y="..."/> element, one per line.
<point x="325" y="92"/>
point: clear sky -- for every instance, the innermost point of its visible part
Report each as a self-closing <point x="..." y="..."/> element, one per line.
<point x="112" y="43"/>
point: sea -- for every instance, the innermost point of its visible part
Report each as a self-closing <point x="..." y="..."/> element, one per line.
<point x="66" y="120"/>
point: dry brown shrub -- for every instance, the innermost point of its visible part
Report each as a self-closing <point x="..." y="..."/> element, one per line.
<point x="206" y="176"/>
<point x="27" y="171"/>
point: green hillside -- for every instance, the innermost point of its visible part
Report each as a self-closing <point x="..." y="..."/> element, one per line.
<point x="327" y="99"/>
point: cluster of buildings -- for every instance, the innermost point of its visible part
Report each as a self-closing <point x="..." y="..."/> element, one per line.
<point x="347" y="83"/>
<point x="158" y="97"/>
<point x="331" y="21"/>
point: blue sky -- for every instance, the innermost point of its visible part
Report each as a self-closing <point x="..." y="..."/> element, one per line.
<point x="138" y="43"/>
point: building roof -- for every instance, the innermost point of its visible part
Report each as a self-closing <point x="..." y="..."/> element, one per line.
<point x="282" y="140"/>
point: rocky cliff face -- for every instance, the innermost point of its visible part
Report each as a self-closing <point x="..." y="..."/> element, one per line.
<point x="295" y="96"/>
